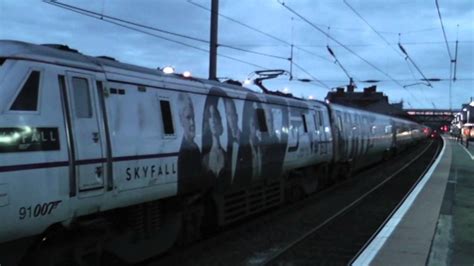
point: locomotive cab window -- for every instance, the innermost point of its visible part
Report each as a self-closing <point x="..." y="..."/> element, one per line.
<point x="27" y="98"/>
<point x="166" y="117"/>
<point x="82" y="99"/>
<point x="261" y="120"/>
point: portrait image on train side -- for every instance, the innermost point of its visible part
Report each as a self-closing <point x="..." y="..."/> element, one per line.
<point x="214" y="163"/>
<point x="234" y="153"/>
<point x="190" y="175"/>
<point x="238" y="142"/>
<point x="220" y="148"/>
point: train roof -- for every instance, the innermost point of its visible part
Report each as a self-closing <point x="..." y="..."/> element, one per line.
<point x="63" y="55"/>
<point x="59" y="54"/>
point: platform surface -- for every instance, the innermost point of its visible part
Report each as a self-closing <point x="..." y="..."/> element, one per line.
<point x="435" y="223"/>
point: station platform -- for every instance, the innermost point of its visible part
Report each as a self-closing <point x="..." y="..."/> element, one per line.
<point x="435" y="223"/>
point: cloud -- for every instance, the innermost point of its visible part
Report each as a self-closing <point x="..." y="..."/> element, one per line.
<point x="417" y="21"/>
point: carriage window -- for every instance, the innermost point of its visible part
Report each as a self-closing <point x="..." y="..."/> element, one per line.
<point x="168" y="127"/>
<point x="27" y="99"/>
<point x="261" y="120"/>
<point x="320" y="113"/>
<point x="303" y="117"/>
<point x="316" y="122"/>
<point x="82" y="98"/>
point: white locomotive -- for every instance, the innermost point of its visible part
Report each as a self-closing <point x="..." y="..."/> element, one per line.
<point x="101" y="156"/>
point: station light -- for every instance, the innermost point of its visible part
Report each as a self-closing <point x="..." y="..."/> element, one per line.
<point x="247" y="82"/>
<point x="311" y="97"/>
<point x="286" y="90"/>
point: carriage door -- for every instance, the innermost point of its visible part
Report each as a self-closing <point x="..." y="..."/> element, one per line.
<point x="86" y="132"/>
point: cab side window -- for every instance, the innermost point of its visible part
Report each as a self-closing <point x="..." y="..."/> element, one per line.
<point x="82" y="99"/>
<point x="27" y="98"/>
<point x="166" y="117"/>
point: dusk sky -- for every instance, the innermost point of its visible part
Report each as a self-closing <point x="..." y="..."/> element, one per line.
<point x="415" y="23"/>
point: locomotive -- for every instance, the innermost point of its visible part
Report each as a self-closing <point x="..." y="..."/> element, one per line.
<point x="103" y="157"/>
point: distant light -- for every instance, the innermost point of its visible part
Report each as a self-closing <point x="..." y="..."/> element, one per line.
<point x="187" y="74"/>
<point x="286" y="90"/>
<point x="247" y="82"/>
<point x="168" y="70"/>
<point x="311" y="97"/>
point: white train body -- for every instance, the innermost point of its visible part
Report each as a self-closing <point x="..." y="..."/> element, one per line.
<point x="81" y="135"/>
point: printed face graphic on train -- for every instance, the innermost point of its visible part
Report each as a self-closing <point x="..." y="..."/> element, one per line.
<point x="232" y="118"/>
<point x="186" y="116"/>
<point x="189" y="158"/>
<point x="241" y="141"/>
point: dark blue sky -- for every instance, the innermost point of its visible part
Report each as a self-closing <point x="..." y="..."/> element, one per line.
<point x="417" y="21"/>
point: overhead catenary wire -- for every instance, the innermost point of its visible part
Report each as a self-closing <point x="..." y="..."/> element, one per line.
<point x="345" y="47"/>
<point x="109" y="18"/>
<point x="312" y="77"/>
<point x="335" y="40"/>
<point x="371" y="27"/>
<point x="384" y="39"/>
<point x="259" y="31"/>
<point x="415" y="79"/>
<point x="274" y="38"/>
<point x="444" y="32"/>
<point x="388" y="44"/>
<point x="86" y="13"/>
<point x="414" y="64"/>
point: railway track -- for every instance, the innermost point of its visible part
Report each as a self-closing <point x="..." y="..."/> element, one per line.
<point x="338" y="239"/>
<point x="328" y="228"/>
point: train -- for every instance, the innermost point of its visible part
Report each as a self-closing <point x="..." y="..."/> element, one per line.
<point x="100" y="157"/>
